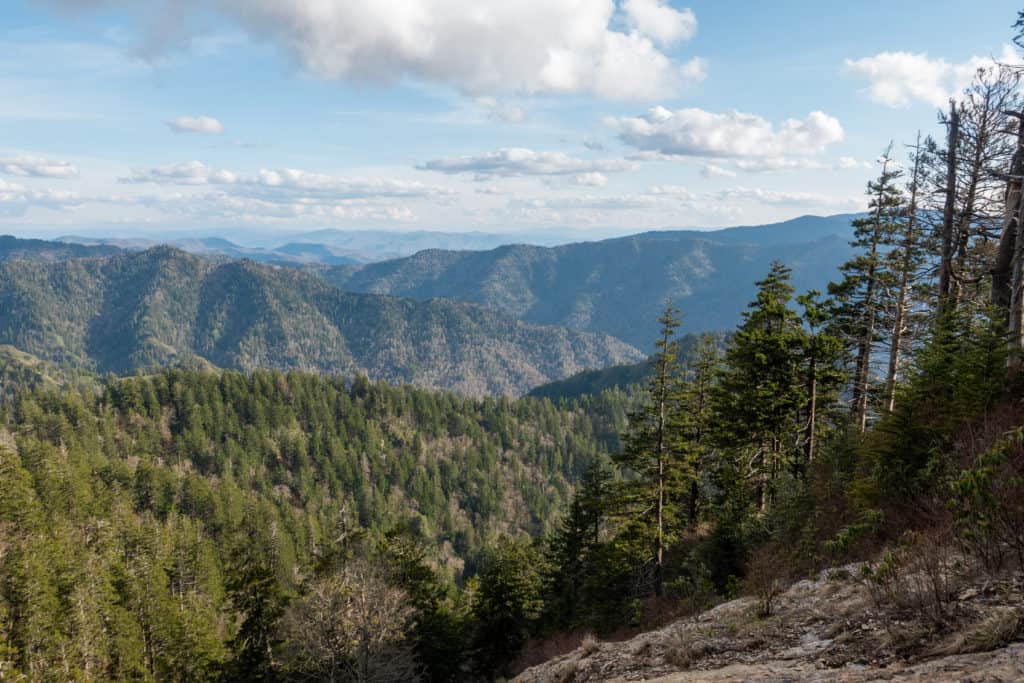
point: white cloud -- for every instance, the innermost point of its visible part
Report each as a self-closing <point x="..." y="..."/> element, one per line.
<point x="279" y="195"/>
<point x="698" y="133"/>
<point x="16" y="199"/>
<point x="188" y="173"/>
<point x="898" y="78"/>
<point x="476" y="46"/>
<point x="715" y="171"/>
<point x="776" y="198"/>
<point x="196" y="124"/>
<point x="658" y="20"/>
<point x="37" y="167"/>
<point x="514" y="162"/>
<point x="677" y="191"/>
<point x="609" y="202"/>
<point x="592" y="179"/>
<point x="283" y="182"/>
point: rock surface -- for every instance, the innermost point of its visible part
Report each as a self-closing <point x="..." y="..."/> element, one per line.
<point x="828" y="629"/>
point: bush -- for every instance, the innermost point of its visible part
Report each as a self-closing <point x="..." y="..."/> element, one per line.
<point x="989" y="500"/>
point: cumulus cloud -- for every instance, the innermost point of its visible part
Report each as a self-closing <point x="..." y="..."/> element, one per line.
<point x="896" y="79"/>
<point x="698" y="133"/>
<point x="475" y="46"/>
<point x="196" y="124"/>
<point x="517" y="162"/>
<point x="37" y="167"/>
<point x="657" y="19"/>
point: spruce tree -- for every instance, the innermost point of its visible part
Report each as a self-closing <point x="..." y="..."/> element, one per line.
<point x="654" y="468"/>
<point x="758" y="400"/>
<point x="859" y="295"/>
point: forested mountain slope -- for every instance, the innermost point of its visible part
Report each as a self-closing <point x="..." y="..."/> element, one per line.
<point x="143" y="525"/>
<point x="163" y="307"/>
<point x="617" y="286"/>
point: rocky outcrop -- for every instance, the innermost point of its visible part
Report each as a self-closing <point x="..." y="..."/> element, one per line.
<point x="827" y="629"/>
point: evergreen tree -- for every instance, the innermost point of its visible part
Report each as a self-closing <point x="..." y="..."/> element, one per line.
<point x="702" y="370"/>
<point x="859" y="295"/>
<point x="655" y="470"/>
<point x="506" y="604"/>
<point x="762" y="390"/>
<point x="573" y="550"/>
<point x="823" y="355"/>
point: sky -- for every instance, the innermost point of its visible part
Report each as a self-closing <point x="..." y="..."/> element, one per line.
<point x="170" y="117"/>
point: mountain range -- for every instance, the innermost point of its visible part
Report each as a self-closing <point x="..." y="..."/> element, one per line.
<point x="162" y="306"/>
<point x="618" y="286"/>
<point x="329" y="246"/>
<point x="499" y="321"/>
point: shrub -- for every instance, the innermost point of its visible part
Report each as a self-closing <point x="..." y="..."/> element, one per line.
<point x="989" y="499"/>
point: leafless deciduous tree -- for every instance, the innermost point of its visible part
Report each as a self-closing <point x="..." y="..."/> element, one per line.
<point x="350" y="626"/>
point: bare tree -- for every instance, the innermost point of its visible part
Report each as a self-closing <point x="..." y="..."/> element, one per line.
<point x="905" y="261"/>
<point x="350" y="626"/>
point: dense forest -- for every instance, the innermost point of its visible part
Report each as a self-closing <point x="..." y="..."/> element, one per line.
<point x="215" y="525"/>
<point x="140" y="519"/>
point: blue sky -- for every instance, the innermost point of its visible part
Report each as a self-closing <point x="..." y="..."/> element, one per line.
<point x="275" y="116"/>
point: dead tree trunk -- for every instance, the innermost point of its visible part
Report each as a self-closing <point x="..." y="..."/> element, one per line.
<point x="906" y="267"/>
<point x="947" y="232"/>
<point x="1006" y="275"/>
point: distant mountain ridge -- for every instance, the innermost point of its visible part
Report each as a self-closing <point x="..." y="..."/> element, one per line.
<point x="16" y="248"/>
<point x="618" y="286"/>
<point x="287" y="254"/>
<point x="163" y="307"/>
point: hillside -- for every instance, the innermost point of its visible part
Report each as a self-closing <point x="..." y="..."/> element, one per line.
<point x="822" y="629"/>
<point x="618" y="286"/>
<point x="153" y="521"/>
<point x="164" y="307"/>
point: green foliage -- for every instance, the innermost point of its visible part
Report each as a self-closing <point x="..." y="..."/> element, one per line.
<point x="758" y="402"/>
<point x="989" y="503"/>
<point x="160" y="526"/>
<point x="507" y="603"/>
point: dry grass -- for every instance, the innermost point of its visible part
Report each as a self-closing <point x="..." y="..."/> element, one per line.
<point x="997" y="629"/>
